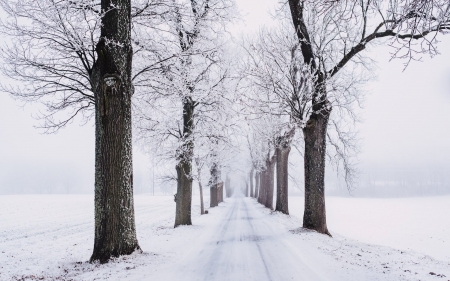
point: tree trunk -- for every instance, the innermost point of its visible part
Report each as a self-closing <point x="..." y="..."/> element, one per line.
<point x="262" y="187"/>
<point x="184" y="167"/>
<point x="228" y="187"/>
<point x="215" y="188"/>
<point x="220" y="192"/>
<point x="314" y="216"/>
<point x="270" y="182"/>
<point x="199" y="172"/>
<point x="251" y="182"/>
<point x="213" y="202"/>
<point x="202" y="206"/>
<point x="282" y="153"/>
<point x="115" y="231"/>
<point x="282" y="179"/>
<point x="257" y="184"/>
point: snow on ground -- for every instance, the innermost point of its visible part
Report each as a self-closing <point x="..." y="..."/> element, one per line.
<point x="50" y="237"/>
<point x="420" y="224"/>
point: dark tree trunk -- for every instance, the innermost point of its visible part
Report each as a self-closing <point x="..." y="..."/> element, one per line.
<point x="214" y="185"/>
<point x="282" y="179"/>
<point x="314" y="133"/>
<point x="115" y="231"/>
<point x="257" y="184"/>
<point x="220" y="192"/>
<point x="314" y="216"/>
<point x="260" y="179"/>
<point x="263" y="187"/>
<point x="270" y="182"/>
<point x="251" y="183"/>
<point x="213" y="202"/>
<point x="282" y="153"/>
<point x="184" y="167"/>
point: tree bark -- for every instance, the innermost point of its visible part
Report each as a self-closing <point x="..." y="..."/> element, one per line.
<point x="115" y="230"/>
<point x="270" y="182"/>
<point x="228" y="187"/>
<point x="214" y="185"/>
<point x="199" y="172"/>
<point x="257" y="184"/>
<point x="263" y="187"/>
<point x="252" y="192"/>
<point x="213" y="202"/>
<point x="220" y="192"/>
<point x="282" y="179"/>
<point x="184" y="167"/>
<point x="202" y="206"/>
<point x="314" y="216"/>
<point x="282" y="153"/>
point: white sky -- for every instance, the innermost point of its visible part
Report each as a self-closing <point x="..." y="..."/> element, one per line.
<point x="406" y="123"/>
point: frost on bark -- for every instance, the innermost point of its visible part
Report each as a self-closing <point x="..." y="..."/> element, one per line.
<point x="115" y="231"/>
<point x="410" y="27"/>
<point x="202" y="206"/>
<point x="220" y="192"/>
<point x="314" y="216"/>
<point x="199" y="173"/>
<point x="184" y="167"/>
<point x="215" y="186"/>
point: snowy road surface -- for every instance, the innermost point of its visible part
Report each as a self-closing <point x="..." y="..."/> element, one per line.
<point x="49" y="237"/>
<point x="244" y="245"/>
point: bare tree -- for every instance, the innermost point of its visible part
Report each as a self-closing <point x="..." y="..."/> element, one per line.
<point x="332" y="36"/>
<point x="75" y="57"/>
<point x="188" y="87"/>
<point x="115" y="231"/>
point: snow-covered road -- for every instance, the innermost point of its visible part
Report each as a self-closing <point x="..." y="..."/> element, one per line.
<point x="49" y="237"/>
<point x="244" y="245"/>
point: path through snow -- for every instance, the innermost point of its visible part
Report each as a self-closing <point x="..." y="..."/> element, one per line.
<point x="49" y="237"/>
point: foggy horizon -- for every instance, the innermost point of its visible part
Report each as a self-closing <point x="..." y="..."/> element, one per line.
<point x="404" y="127"/>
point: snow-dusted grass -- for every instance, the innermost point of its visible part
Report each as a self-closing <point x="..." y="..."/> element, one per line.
<point x="50" y="237"/>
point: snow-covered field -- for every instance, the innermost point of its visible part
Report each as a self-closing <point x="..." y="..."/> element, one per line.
<point x="50" y="237"/>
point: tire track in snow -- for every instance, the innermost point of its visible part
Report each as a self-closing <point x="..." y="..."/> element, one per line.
<point x="244" y="244"/>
